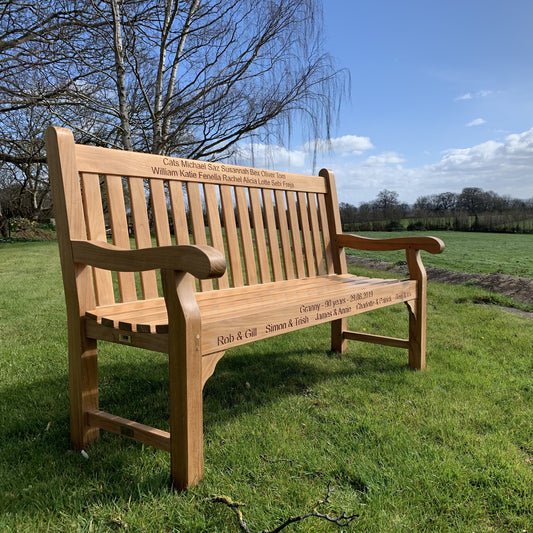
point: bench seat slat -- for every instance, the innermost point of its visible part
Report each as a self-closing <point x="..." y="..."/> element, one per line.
<point x="257" y="322"/>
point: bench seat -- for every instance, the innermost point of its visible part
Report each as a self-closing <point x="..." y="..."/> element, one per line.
<point x="231" y="317"/>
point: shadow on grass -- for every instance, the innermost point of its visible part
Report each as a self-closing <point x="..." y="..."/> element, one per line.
<point x="43" y="474"/>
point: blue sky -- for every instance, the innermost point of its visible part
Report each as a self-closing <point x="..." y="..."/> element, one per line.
<point x="441" y="97"/>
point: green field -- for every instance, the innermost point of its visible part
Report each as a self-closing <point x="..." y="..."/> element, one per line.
<point x="446" y="449"/>
<point x="487" y="253"/>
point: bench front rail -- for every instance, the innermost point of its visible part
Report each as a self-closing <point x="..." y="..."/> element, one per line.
<point x="240" y="254"/>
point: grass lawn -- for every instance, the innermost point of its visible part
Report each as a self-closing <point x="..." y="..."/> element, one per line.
<point x="487" y="253"/>
<point x="446" y="449"/>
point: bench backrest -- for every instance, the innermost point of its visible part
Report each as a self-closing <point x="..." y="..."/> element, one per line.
<point x="271" y="225"/>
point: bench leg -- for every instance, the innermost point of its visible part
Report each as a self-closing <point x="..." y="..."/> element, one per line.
<point x="338" y="341"/>
<point x="417" y="312"/>
<point x="83" y="389"/>
<point x="185" y="381"/>
<point x="417" y="335"/>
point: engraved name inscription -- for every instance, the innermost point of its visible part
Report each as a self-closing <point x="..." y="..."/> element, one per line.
<point x="249" y="333"/>
<point x="306" y="314"/>
<point x="220" y="174"/>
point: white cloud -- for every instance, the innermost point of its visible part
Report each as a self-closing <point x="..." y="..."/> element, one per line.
<point x="345" y="145"/>
<point x="505" y="167"/>
<point x="515" y="153"/>
<point x="476" y="122"/>
<point x="471" y="96"/>
<point x="300" y="159"/>
<point x="270" y="156"/>
<point x="386" y="158"/>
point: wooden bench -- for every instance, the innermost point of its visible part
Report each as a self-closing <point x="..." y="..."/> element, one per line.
<point x="266" y="249"/>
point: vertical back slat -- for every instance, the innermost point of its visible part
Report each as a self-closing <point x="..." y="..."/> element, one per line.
<point x="295" y="234"/>
<point x="179" y="212"/>
<point x="259" y="233"/>
<point x="272" y="232"/>
<point x="94" y="219"/>
<point x="234" y="252"/>
<point x="196" y="211"/>
<point x="141" y="229"/>
<point x="306" y="233"/>
<point x="119" y="231"/>
<point x="243" y="216"/>
<point x="315" y="233"/>
<point x="179" y="215"/>
<point x="326" y="236"/>
<point x="215" y="228"/>
<point x="160" y="211"/>
<point x="284" y="234"/>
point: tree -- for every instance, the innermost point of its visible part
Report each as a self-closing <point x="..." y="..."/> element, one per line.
<point x="34" y="65"/>
<point x="386" y="200"/>
<point x="36" y="73"/>
<point x="388" y="206"/>
<point x="190" y="78"/>
<point x="472" y="200"/>
<point x="445" y="202"/>
<point x="24" y="184"/>
<point x="348" y="213"/>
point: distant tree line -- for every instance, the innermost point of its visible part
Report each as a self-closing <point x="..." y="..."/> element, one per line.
<point x="473" y="209"/>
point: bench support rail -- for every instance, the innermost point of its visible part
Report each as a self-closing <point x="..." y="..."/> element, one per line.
<point x="130" y="429"/>
<point x="377" y="339"/>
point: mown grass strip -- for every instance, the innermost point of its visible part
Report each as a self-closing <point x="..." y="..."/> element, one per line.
<point x="486" y="253"/>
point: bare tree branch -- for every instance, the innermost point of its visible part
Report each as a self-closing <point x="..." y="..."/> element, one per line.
<point x="190" y="78"/>
<point x="342" y="520"/>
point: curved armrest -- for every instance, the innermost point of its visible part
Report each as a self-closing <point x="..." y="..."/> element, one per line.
<point x="201" y="261"/>
<point x="428" y="244"/>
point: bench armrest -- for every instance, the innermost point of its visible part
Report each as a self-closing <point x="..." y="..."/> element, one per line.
<point x="428" y="244"/>
<point x="201" y="261"/>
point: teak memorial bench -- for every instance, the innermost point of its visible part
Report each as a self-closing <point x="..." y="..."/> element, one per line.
<point x="266" y="249"/>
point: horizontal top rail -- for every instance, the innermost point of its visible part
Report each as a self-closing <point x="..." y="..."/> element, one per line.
<point x="93" y="159"/>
